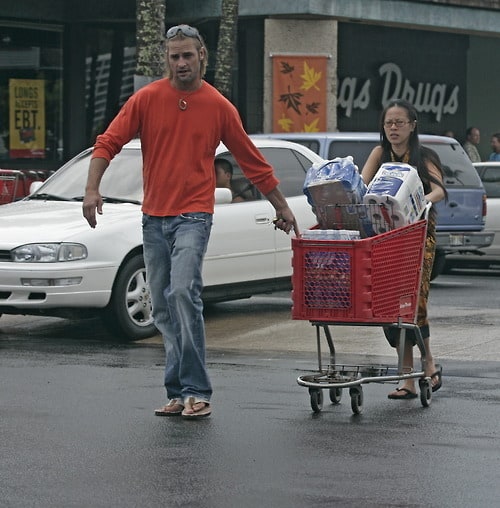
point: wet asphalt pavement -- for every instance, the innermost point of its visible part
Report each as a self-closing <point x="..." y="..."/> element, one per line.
<point x="77" y="427"/>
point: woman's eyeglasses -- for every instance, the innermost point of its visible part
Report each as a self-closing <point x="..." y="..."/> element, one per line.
<point x="397" y="123"/>
<point x="186" y="30"/>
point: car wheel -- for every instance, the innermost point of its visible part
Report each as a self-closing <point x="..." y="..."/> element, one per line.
<point x="128" y="314"/>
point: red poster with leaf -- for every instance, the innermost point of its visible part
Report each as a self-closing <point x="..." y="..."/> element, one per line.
<point x="299" y="93"/>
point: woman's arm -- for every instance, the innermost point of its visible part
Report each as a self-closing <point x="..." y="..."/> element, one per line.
<point x="437" y="193"/>
<point x="371" y="165"/>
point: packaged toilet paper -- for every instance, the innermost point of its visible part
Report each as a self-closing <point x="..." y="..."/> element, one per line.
<point x="399" y="187"/>
<point x="331" y="234"/>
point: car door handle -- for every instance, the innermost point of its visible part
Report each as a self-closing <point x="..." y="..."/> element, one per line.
<point x="453" y="204"/>
<point x="263" y="219"/>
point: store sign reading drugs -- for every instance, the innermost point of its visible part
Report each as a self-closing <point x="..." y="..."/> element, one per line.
<point x="438" y="99"/>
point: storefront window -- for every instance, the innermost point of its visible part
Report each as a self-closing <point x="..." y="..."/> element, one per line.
<point x="109" y="75"/>
<point x="30" y="96"/>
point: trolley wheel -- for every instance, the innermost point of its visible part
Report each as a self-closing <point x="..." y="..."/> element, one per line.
<point x="335" y="395"/>
<point x="316" y="399"/>
<point x="356" y="393"/>
<point x="425" y="392"/>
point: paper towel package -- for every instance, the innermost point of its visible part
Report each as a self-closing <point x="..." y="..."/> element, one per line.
<point x="399" y="187"/>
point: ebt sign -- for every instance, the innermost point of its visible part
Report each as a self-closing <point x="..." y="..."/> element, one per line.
<point x="438" y="99"/>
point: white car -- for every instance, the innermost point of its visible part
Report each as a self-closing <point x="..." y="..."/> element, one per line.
<point x="489" y="257"/>
<point x="52" y="263"/>
<point x="489" y="172"/>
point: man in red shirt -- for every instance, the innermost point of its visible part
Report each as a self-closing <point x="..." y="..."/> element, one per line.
<point x="181" y="120"/>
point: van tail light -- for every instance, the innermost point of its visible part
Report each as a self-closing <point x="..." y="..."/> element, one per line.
<point x="484" y="207"/>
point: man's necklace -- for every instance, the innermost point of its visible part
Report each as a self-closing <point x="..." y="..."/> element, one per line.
<point x="183" y="105"/>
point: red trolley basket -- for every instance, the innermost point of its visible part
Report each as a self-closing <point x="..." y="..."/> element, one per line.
<point x="368" y="281"/>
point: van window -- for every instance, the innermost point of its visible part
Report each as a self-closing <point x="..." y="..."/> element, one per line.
<point x="457" y="167"/>
<point x="360" y="150"/>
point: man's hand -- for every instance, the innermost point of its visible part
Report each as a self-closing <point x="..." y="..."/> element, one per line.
<point x="92" y="201"/>
<point x="285" y="220"/>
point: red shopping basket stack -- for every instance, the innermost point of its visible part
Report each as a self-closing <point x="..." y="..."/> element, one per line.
<point x="15" y="184"/>
<point x="372" y="280"/>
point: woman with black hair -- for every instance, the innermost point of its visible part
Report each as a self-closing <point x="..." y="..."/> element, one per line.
<point x="399" y="143"/>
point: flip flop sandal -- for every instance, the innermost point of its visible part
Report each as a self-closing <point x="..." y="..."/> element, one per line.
<point x="439" y="375"/>
<point x="173" y="408"/>
<point x="402" y="394"/>
<point x="195" y="409"/>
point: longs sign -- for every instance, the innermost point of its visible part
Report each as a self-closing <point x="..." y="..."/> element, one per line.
<point x="27" y="118"/>
<point x="299" y="93"/>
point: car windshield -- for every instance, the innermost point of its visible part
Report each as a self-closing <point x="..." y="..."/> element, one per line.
<point x="491" y="180"/>
<point x="122" y="181"/>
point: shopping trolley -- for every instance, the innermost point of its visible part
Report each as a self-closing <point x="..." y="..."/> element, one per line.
<point x="374" y="280"/>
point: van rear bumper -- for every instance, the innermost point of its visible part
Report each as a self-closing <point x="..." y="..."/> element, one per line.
<point x="463" y="241"/>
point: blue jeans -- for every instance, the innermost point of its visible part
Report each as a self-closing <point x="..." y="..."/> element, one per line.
<point x="174" y="248"/>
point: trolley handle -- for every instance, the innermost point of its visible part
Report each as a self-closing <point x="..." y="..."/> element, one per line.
<point x="426" y="211"/>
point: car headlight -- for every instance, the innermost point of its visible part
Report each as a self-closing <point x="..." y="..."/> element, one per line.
<point x="48" y="252"/>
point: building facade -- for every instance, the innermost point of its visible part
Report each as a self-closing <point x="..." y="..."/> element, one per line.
<point x="67" y="66"/>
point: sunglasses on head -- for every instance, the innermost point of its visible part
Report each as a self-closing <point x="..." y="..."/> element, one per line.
<point x="186" y="30"/>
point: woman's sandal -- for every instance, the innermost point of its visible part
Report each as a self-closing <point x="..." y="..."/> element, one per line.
<point x="439" y="375"/>
<point x="402" y="394"/>
<point x="194" y="408"/>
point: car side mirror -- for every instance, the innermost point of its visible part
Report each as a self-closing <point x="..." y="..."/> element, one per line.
<point x="223" y="196"/>
<point x="35" y="186"/>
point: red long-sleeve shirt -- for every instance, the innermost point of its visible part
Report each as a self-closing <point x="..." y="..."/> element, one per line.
<point x="178" y="147"/>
